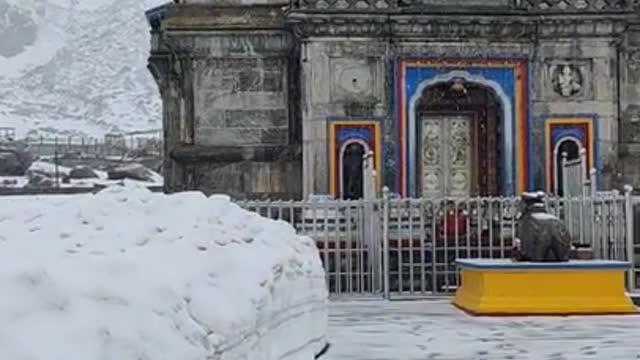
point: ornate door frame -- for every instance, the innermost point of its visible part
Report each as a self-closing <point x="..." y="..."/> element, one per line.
<point x="508" y="76"/>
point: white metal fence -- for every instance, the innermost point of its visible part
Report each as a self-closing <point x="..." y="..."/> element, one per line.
<point x="407" y="247"/>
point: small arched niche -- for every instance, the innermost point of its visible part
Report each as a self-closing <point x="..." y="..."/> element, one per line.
<point x="351" y="169"/>
<point x="572" y="147"/>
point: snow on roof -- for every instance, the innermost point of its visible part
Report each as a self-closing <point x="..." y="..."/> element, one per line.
<point x="127" y="274"/>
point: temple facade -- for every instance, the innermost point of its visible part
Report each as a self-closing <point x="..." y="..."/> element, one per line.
<point x="456" y="98"/>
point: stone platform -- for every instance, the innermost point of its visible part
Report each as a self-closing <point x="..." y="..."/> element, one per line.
<point x="578" y="287"/>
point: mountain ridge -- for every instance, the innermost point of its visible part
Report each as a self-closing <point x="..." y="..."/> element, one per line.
<point x="85" y="72"/>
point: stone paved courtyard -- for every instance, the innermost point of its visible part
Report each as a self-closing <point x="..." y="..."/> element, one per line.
<point x="421" y="330"/>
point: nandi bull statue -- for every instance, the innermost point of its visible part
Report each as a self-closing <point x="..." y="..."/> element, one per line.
<point x="540" y="236"/>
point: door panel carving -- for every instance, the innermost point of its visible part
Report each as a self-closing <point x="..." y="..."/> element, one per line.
<point x="432" y="155"/>
<point x="446" y="156"/>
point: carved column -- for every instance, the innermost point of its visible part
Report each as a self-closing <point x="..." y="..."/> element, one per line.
<point x="629" y="149"/>
<point x="160" y="66"/>
<point x="224" y="79"/>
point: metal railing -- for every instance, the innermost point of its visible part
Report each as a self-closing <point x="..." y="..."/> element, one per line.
<point x="396" y="247"/>
<point x="528" y="6"/>
<point x="90" y="146"/>
<point x="346" y="233"/>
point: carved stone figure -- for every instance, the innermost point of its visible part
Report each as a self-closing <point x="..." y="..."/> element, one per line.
<point x="567" y="81"/>
<point x="542" y="236"/>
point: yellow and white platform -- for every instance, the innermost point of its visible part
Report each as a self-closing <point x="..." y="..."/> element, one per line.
<point x="577" y="287"/>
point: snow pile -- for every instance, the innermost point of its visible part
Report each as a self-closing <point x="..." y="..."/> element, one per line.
<point x="127" y="274"/>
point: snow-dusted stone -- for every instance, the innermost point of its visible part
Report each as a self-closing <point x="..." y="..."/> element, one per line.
<point x="10" y="165"/>
<point x="82" y="172"/>
<point x="131" y="171"/>
<point x="15" y="159"/>
<point x="542" y="236"/>
<point x="48" y="169"/>
<point x="39" y="181"/>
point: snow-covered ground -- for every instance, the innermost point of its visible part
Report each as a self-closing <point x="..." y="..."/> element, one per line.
<point x="76" y="67"/>
<point x="44" y="167"/>
<point x="421" y="330"/>
<point x="130" y="275"/>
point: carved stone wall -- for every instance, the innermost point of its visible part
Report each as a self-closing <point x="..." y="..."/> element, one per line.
<point x="241" y="101"/>
<point x="569" y="76"/>
<point x="575" y="76"/>
<point x="629" y="152"/>
<point x="229" y="122"/>
<point x="248" y="90"/>
<point x="342" y="79"/>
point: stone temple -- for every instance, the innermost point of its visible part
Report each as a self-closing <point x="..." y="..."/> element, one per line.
<point x="280" y="100"/>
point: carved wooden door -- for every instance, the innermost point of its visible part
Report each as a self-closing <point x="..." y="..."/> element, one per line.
<point x="446" y="156"/>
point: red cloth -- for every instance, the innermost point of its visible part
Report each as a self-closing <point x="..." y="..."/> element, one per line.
<point x="452" y="218"/>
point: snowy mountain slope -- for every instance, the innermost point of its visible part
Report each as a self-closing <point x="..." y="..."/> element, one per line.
<point x="76" y="67"/>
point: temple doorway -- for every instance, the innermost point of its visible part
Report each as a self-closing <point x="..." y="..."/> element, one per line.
<point x="352" y="182"/>
<point x="571" y="147"/>
<point x="459" y="131"/>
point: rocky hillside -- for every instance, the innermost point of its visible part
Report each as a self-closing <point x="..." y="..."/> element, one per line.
<point x="76" y="67"/>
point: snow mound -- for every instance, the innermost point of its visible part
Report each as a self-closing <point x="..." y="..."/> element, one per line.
<point x="127" y="274"/>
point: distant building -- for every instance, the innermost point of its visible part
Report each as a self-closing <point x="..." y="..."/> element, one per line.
<point x="453" y="97"/>
<point x="112" y="139"/>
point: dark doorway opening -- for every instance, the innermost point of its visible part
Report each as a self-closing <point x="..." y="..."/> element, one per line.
<point x="352" y="167"/>
<point x="572" y="149"/>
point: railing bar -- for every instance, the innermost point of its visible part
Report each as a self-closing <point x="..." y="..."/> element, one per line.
<point x="614" y="235"/>
<point x="502" y="217"/>
<point x="349" y="247"/>
<point x="445" y="240"/>
<point x="456" y="231"/>
<point x="399" y="245"/>
<point x="338" y="253"/>
<point x="479" y="226"/>
<point x="361" y="249"/>
<point x="582" y="205"/>
<point x="325" y="240"/>
<point x="411" y="262"/>
<point x="468" y="225"/>
<point x="490" y="216"/>
<point x="514" y="207"/>
<point x="434" y="247"/>
<point x="423" y="279"/>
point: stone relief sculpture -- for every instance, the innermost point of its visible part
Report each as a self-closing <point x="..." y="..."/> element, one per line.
<point x="633" y="64"/>
<point x="566" y="79"/>
<point x="540" y="236"/>
<point x="634" y="59"/>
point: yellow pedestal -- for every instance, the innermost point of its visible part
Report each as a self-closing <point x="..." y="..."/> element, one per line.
<point x="504" y="287"/>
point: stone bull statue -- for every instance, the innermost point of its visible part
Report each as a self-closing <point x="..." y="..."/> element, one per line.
<point x="540" y="236"/>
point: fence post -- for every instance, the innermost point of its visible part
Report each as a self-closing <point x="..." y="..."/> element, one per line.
<point x="628" y="205"/>
<point x="556" y="173"/>
<point x="385" y="241"/>
<point x="563" y="165"/>
<point x="55" y="162"/>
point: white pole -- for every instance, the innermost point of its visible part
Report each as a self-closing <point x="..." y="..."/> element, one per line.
<point x="556" y="173"/>
<point x="593" y="178"/>
<point x="631" y="275"/>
